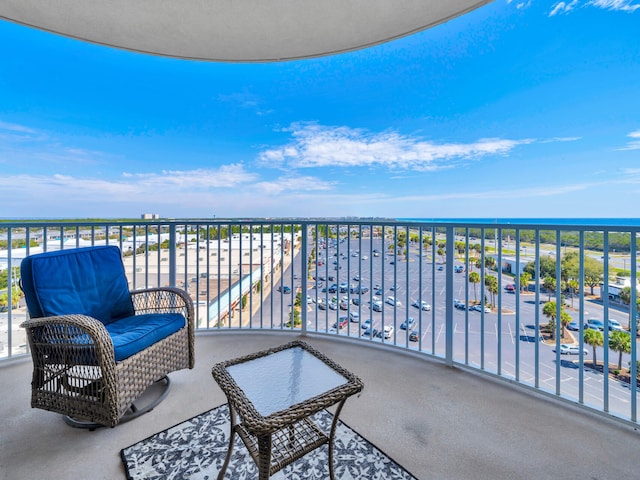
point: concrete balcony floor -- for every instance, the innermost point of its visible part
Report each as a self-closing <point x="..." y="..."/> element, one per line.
<point x="438" y="422"/>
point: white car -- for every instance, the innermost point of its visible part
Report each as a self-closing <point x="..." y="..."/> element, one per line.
<point x="566" y="349"/>
<point x="615" y="325"/>
<point x="478" y="308"/>
<point x="388" y="331"/>
<point x="422" y="305"/>
<point x="391" y="300"/>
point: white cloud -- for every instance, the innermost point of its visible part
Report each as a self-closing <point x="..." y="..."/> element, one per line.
<point x="293" y="184"/>
<point x="69" y="193"/>
<point x="315" y="145"/>
<point x="616" y="5"/>
<point x="622" y="5"/>
<point x="562" y="7"/>
<point x="634" y="144"/>
<point x="226" y="176"/>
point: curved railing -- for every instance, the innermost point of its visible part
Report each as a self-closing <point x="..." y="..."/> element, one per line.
<point x="475" y="293"/>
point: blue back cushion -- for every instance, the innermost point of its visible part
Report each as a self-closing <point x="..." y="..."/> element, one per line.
<point x="89" y="281"/>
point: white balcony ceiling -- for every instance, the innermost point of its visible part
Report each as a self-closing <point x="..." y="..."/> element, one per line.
<point x="235" y="30"/>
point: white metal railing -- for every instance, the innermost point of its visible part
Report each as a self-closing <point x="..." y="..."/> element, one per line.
<point x="473" y="294"/>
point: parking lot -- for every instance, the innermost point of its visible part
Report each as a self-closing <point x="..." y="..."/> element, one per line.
<point x="359" y="288"/>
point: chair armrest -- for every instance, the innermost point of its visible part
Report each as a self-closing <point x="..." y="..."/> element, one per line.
<point x="78" y="336"/>
<point x="163" y="300"/>
<point x="168" y="300"/>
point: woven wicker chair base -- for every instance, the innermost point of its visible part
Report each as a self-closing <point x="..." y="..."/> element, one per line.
<point x="134" y="410"/>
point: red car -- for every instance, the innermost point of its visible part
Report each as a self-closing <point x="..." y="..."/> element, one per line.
<point x="342" y="323"/>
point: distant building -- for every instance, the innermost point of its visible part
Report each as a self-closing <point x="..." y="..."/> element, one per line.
<point x="614" y="289"/>
<point x="150" y="216"/>
<point x="510" y="265"/>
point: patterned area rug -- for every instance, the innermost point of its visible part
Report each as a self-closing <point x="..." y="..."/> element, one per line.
<point x="195" y="450"/>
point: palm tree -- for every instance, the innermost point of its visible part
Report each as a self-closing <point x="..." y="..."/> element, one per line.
<point x="573" y="285"/>
<point x="595" y="339"/>
<point x="524" y="281"/>
<point x="491" y="283"/>
<point x="549" y="311"/>
<point x="620" y="342"/>
<point x="474" y="277"/>
<point x="549" y="285"/>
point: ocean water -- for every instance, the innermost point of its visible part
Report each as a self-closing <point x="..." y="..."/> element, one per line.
<point x="605" y="222"/>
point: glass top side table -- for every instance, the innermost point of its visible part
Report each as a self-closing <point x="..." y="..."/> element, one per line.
<point x="274" y="392"/>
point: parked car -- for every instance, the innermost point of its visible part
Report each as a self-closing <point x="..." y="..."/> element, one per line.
<point x="354" y="317"/>
<point x="388" y="331"/>
<point x="366" y="324"/>
<point x="413" y="336"/>
<point x="341" y="323"/>
<point x="615" y="325"/>
<point x="566" y="349"/>
<point x="370" y="332"/>
<point x="573" y="326"/>
<point x="460" y="305"/>
<point x="478" y="308"/>
<point x="391" y="300"/>
<point x="593" y="322"/>
<point x="422" y="305"/>
<point x="376" y="306"/>
<point x="284" y="289"/>
<point x="408" y="324"/>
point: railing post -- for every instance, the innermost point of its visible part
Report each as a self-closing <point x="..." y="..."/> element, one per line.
<point x="450" y="249"/>
<point x="173" y="255"/>
<point x="304" y="273"/>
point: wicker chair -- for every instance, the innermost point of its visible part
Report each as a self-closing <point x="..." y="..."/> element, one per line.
<point x="96" y="346"/>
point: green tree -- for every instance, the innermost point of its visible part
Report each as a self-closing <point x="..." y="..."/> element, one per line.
<point x="595" y="339"/>
<point x="474" y="277"/>
<point x="15" y="298"/>
<point x="593" y="273"/>
<point x="298" y="301"/>
<point x="489" y="262"/>
<point x="625" y="295"/>
<point x="573" y="286"/>
<point x="547" y="267"/>
<point x="491" y="283"/>
<point x="244" y="301"/>
<point x="549" y="310"/>
<point x="524" y="281"/>
<point x="620" y="342"/>
<point x="549" y="285"/>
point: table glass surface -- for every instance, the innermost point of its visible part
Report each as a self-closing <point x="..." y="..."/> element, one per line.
<point x="277" y="381"/>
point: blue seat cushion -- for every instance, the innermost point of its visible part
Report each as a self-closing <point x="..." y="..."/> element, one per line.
<point x="89" y="281"/>
<point x="133" y="334"/>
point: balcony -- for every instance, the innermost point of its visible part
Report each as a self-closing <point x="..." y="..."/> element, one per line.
<point x="477" y="395"/>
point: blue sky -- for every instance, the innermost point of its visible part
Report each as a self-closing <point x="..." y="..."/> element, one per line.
<point x="518" y="109"/>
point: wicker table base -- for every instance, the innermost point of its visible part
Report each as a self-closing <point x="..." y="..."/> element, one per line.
<point x="276" y="438"/>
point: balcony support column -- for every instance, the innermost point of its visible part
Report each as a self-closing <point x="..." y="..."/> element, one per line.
<point x="304" y="276"/>
<point x="450" y="249"/>
<point x="173" y="256"/>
